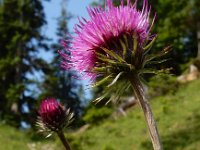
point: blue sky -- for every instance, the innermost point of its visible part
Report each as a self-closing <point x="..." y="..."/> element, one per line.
<point x="52" y="10"/>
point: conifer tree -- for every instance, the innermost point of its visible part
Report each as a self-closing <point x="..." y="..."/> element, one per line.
<point x="21" y="39"/>
<point x="177" y="24"/>
<point x="60" y="83"/>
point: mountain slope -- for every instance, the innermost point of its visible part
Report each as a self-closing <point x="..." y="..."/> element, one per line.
<point x="178" y="119"/>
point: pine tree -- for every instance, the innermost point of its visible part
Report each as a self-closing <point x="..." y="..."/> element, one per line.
<point x="177" y="25"/>
<point x="59" y="83"/>
<point x="21" y="39"/>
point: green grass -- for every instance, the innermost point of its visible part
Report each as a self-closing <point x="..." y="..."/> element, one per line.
<point x="178" y="119"/>
<point x="12" y="139"/>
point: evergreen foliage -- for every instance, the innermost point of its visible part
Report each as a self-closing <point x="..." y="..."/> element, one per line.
<point x="21" y="39"/>
<point x="21" y="23"/>
<point x="60" y="83"/>
<point x="176" y="24"/>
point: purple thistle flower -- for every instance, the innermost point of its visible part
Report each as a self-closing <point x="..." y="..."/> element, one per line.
<point x="105" y="29"/>
<point x="114" y="46"/>
<point x="53" y="116"/>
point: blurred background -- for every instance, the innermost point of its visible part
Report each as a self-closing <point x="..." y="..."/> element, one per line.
<point x="31" y="33"/>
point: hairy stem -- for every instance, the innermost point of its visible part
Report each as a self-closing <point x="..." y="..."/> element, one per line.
<point x="142" y="99"/>
<point x="64" y="140"/>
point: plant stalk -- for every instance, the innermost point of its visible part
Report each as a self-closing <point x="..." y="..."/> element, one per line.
<point x="142" y="99"/>
<point x="64" y="140"/>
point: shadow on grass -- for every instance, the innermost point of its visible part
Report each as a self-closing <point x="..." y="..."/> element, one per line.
<point x="181" y="138"/>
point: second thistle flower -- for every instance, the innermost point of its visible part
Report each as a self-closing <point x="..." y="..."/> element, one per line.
<point x="53" y="117"/>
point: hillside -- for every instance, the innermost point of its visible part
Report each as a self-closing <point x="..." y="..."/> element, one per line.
<point x="12" y="139"/>
<point x="178" y="119"/>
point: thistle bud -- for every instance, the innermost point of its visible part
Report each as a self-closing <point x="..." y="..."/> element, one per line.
<point x="53" y="116"/>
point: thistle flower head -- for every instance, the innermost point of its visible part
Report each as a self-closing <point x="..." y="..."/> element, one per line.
<point x="105" y="29"/>
<point x="53" y="116"/>
<point x="113" y="44"/>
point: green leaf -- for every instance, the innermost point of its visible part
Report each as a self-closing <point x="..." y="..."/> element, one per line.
<point x="148" y="71"/>
<point x="155" y="71"/>
<point x="148" y="46"/>
<point x="126" y="40"/>
<point x="100" y="69"/>
<point x="162" y="53"/>
<point x="115" y="79"/>
<point x="156" y="62"/>
<point x="102" y="81"/>
<point x="134" y="37"/>
<point x="105" y="59"/>
<point x="135" y="42"/>
<point x="100" y="98"/>
<point x="113" y="54"/>
<point x="110" y="61"/>
<point x="124" y="47"/>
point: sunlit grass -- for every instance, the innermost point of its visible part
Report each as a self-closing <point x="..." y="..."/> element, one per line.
<point x="12" y="139"/>
<point x="178" y="119"/>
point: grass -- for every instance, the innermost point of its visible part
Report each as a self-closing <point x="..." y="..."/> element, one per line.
<point x="177" y="115"/>
<point x="12" y="139"/>
<point x="178" y="119"/>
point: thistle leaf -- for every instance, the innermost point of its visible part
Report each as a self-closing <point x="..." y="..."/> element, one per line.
<point x="148" y="46"/>
<point x="121" y="88"/>
<point x="102" y="81"/>
<point x="115" y="79"/>
<point x="107" y="60"/>
<point x="135" y="42"/>
<point x="104" y="58"/>
<point x="110" y="99"/>
<point x="111" y="62"/>
<point x="126" y="40"/>
<point x="116" y="92"/>
<point x="155" y="62"/>
<point x="50" y="134"/>
<point x="113" y="98"/>
<point x="100" y="98"/>
<point x="124" y="48"/>
<point x="148" y="71"/>
<point x="162" y="53"/>
<point x="100" y="69"/>
<point x="113" y="54"/>
<point x="154" y="71"/>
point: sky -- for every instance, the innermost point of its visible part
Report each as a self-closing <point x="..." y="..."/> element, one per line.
<point x="52" y="11"/>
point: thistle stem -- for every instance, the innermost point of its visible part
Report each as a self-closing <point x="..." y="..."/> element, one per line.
<point x="64" y="140"/>
<point x="142" y="99"/>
